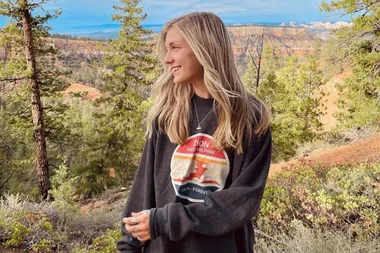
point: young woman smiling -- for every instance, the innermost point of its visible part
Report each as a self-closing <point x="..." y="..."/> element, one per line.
<point x="206" y="159"/>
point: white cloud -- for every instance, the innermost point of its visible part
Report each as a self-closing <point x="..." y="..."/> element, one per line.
<point x="160" y="11"/>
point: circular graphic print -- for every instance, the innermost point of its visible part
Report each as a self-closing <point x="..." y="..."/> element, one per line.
<point x="198" y="169"/>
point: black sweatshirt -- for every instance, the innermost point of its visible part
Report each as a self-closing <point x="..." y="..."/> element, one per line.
<point x="201" y="199"/>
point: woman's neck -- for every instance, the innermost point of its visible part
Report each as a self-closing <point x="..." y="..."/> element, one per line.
<point x="201" y="90"/>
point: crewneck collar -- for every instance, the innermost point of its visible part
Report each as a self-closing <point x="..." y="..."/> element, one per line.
<point x="203" y="101"/>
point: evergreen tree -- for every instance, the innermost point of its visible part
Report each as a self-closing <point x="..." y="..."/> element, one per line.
<point x="271" y="60"/>
<point x="295" y="104"/>
<point x="114" y="137"/>
<point x="31" y="83"/>
<point x="268" y="64"/>
<point x="359" y="47"/>
<point x="293" y="96"/>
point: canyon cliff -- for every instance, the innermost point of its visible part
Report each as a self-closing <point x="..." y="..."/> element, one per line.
<point x="285" y="40"/>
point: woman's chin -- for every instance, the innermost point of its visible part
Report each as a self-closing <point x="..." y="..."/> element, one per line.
<point x="178" y="80"/>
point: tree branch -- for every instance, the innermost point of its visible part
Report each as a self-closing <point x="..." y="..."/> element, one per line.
<point x="260" y="54"/>
<point x="12" y="79"/>
<point x="253" y="60"/>
<point x="7" y="150"/>
<point x="52" y="165"/>
<point x="6" y="180"/>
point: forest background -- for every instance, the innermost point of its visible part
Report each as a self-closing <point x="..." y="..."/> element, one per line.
<point x="72" y="122"/>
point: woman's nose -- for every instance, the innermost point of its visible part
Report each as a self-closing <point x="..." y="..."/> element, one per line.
<point x="168" y="58"/>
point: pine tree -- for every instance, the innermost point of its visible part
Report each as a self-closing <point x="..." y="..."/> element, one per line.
<point x="114" y="137"/>
<point x="294" y="101"/>
<point x="358" y="46"/>
<point x="33" y="78"/>
<point x="293" y="96"/>
<point x="267" y="64"/>
<point x="271" y="60"/>
<point x="127" y="85"/>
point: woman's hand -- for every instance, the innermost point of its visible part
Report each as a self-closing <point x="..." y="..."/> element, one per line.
<point x="138" y="225"/>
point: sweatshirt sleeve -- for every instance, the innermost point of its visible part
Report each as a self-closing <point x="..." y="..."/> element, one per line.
<point x="141" y="197"/>
<point x="225" y="210"/>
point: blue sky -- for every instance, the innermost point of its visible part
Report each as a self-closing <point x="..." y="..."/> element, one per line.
<point x="98" y="12"/>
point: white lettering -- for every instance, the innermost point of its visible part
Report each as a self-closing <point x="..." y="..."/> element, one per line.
<point x="210" y="151"/>
<point x="202" y="191"/>
<point x="201" y="143"/>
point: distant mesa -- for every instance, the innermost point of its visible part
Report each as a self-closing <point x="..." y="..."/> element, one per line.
<point x="106" y="31"/>
<point x="326" y="25"/>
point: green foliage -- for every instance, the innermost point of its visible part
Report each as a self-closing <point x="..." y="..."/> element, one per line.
<point x="22" y="227"/>
<point x="63" y="190"/>
<point x="16" y="135"/>
<point x="361" y="94"/>
<point x="302" y="239"/>
<point x="337" y="137"/>
<point x="344" y="198"/>
<point x="43" y="228"/>
<point x="116" y="132"/>
<point x="93" y="137"/>
<point x="101" y="144"/>
<point x="358" y="46"/>
<point x="16" y="234"/>
<point x="271" y="59"/>
<point x="249" y="77"/>
<point x="292" y="95"/>
<point x="129" y="58"/>
<point x="18" y="138"/>
<point x="44" y="245"/>
<point x="104" y="244"/>
<point x="270" y="64"/>
<point x="107" y="242"/>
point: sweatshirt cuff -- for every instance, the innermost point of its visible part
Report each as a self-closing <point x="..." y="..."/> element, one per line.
<point x="158" y="222"/>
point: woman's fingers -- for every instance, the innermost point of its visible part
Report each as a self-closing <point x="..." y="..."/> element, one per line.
<point x="131" y="228"/>
<point x="142" y="237"/>
<point x="131" y="221"/>
<point x="138" y="225"/>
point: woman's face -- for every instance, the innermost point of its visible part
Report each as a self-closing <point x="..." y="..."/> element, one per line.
<point x="181" y="59"/>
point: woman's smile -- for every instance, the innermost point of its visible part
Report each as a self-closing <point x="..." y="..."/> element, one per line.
<point x="175" y="70"/>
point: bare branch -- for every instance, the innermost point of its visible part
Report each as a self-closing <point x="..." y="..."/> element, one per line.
<point x="253" y="60"/>
<point x="52" y="165"/>
<point x="260" y="54"/>
<point x="6" y="150"/>
<point x="12" y="79"/>
<point x="6" y="180"/>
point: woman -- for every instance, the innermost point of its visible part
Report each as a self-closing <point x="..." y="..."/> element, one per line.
<point x="206" y="161"/>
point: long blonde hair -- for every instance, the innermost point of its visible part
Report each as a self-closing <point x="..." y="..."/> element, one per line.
<point x="240" y="114"/>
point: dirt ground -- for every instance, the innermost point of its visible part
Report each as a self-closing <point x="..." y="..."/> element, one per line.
<point x="358" y="152"/>
<point x="92" y="93"/>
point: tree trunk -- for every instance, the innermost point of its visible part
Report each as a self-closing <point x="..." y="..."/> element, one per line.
<point x="260" y="54"/>
<point x="42" y="165"/>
